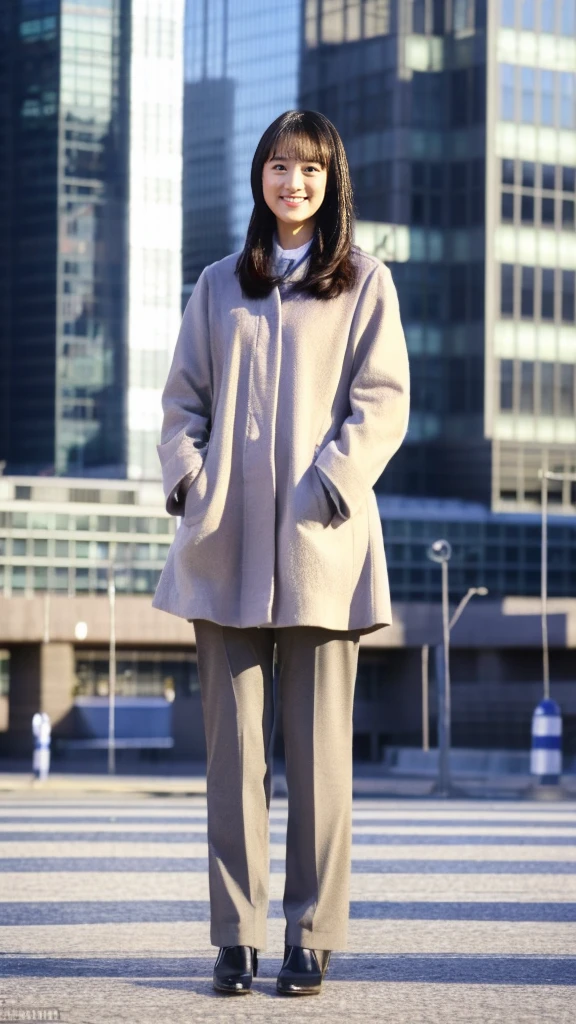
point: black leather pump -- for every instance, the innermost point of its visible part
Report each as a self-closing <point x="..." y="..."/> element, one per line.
<point x="302" y="971"/>
<point x="234" y="969"/>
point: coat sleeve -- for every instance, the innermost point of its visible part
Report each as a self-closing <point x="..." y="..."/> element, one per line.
<point x="379" y="397"/>
<point x="187" y="402"/>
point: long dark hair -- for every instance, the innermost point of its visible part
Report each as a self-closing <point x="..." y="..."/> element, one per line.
<point x="304" y="135"/>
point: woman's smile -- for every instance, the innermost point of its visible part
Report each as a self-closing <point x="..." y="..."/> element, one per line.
<point x="293" y="200"/>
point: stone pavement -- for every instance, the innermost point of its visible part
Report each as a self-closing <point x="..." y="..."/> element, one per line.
<point x="460" y="912"/>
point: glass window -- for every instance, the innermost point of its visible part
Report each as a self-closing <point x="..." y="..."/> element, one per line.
<point x="507" y="81"/>
<point x="41" y="521"/>
<point x="547" y="15"/>
<point x="506" y="384"/>
<point x="41" y="548"/>
<point x="527" y="291"/>
<point x="547" y="79"/>
<point x="568" y="179"/>
<point x="81" y="579"/>
<point x="507" y="289"/>
<point x="60" y="578"/>
<point x="567" y="100"/>
<point x="82" y="549"/>
<point x="528" y="173"/>
<point x="527" y="209"/>
<point x="526" y="386"/>
<point x="527" y="79"/>
<point x="546" y="389"/>
<point x="82" y="522"/>
<point x="507" y="208"/>
<point x="40" y="578"/>
<point x="568" y="17"/>
<point x="527" y="17"/>
<point x="508" y="172"/>
<point x="549" y="176"/>
<point x="61" y="549"/>
<point x="507" y="13"/>
<point x="568" y="288"/>
<point x="18" y="577"/>
<point x="566" y="389"/>
<point x="547" y="210"/>
<point x="567" y="213"/>
<point x="547" y="311"/>
<point x="19" y="548"/>
<point x="419" y="17"/>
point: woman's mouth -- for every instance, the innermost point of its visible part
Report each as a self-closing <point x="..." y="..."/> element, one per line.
<point x="293" y="200"/>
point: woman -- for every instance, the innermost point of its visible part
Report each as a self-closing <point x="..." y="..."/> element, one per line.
<point x="287" y="396"/>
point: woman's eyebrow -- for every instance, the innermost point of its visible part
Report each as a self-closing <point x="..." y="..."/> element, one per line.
<point x="273" y="158"/>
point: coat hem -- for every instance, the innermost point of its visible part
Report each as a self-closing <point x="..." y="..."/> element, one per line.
<point x="362" y="629"/>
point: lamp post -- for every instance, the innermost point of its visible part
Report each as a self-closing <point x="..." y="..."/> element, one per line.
<point x="441" y="551"/>
<point x="112" y="671"/>
<point x="545" y="475"/>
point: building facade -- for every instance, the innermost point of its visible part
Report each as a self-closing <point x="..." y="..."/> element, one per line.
<point x="241" y="72"/>
<point x="460" y="126"/>
<point x="90" y="221"/>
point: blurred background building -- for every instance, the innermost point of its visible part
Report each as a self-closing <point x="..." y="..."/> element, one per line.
<point x="127" y="130"/>
<point x="90" y="231"/>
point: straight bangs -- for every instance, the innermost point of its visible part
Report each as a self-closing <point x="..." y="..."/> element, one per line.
<point x="299" y="143"/>
<point x="307" y="136"/>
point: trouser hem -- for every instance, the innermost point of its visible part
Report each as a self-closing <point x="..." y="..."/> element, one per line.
<point x="296" y="936"/>
<point x="237" y="935"/>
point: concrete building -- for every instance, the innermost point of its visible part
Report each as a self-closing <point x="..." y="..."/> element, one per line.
<point x="58" y="540"/>
<point x="90" y="232"/>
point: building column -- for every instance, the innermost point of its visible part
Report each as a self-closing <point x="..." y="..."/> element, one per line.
<point x="42" y="678"/>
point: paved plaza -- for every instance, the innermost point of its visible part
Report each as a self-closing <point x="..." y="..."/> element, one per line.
<point x="460" y="912"/>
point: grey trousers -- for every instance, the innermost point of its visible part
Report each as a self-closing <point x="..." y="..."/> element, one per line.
<point x="316" y="677"/>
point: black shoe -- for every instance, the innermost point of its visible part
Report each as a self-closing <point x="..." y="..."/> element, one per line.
<point x="302" y="971"/>
<point x="234" y="969"/>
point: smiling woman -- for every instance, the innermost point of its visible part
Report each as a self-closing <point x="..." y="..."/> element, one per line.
<point x="294" y="190"/>
<point x="287" y="396"/>
<point x="302" y="193"/>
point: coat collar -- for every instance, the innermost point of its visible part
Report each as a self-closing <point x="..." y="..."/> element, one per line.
<point x="299" y="269"/>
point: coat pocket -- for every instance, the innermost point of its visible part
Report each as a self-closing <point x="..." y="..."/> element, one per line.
<point x="195" y="500"/>
<point x="313" y="508"/>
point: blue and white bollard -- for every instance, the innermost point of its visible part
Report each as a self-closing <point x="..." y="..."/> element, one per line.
<point x="41" y="729"/>
<point x="546" y="754"/>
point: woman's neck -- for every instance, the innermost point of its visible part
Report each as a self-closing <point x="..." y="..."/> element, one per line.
<point x="293" y="237"/>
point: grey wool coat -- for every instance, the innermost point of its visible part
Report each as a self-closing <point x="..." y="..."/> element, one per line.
<point x="266" y="401"/>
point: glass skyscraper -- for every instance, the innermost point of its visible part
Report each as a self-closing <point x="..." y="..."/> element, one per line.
<point x="460" y="126"/>
<point x="241" y="71"/>
<point x="90" y="222"/>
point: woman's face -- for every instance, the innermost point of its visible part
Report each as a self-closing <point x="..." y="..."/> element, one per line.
<point x="293" y="189"/>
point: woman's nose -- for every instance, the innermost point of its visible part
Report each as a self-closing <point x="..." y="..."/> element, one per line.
<point x="294" y="180"/>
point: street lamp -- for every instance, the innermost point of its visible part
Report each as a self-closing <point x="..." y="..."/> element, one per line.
<point x="441" y="551"/>
<point x="112" y="670"/>
<point x="545" y="475"/>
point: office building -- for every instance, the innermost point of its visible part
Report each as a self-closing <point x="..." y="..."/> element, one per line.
<point x="90" y="229"/>
<point x="241" y="72"/>
<point x="460" y="126"/>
